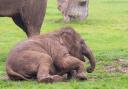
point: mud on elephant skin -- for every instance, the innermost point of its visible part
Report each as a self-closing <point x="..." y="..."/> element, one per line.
<point x="49" y="56"/>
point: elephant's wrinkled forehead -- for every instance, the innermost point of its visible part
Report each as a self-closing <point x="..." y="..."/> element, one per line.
<point x="69" y="31"/>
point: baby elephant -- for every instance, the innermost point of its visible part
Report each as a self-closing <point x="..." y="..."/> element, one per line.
<point x="49" y="56"/>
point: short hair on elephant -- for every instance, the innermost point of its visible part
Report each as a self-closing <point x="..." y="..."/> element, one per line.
<point x="49" y="56"/>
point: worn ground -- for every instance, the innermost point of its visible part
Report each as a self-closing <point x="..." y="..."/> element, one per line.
<point x="106" y="32"/>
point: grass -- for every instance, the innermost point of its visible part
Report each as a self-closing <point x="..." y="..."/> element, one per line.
<point x="105" y="31"/>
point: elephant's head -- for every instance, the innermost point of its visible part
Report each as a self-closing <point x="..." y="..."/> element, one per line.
<point x="77" y="47"/>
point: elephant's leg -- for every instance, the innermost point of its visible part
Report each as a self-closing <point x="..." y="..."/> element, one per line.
<point x="44" y="68"/>
<point x="70" y="63"/>
<point x="58" y="78"/>
<point x="29" y="28"/>
<point x="19" y="22"/>
<point x="33" y="15"/>
<point x="71" y="74"/>
<point x="43" y="74"/>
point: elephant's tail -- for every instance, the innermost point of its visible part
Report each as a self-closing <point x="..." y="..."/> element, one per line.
<point x="14" y="76"/>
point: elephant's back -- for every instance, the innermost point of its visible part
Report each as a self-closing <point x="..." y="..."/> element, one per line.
<point x="21" y="47"/>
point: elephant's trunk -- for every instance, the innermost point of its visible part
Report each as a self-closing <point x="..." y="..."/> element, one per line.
<point x="91" y="58"/>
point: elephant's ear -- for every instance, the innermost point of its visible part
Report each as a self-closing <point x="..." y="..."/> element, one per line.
<point x="67" y="36"/>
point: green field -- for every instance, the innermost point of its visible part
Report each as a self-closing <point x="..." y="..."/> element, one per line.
<point x="106" y="32"/>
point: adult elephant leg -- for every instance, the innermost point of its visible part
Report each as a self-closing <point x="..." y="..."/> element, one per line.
<point x="29" y="29"/>
<point x="33" y="15"/>
<point x="19" y="22"/>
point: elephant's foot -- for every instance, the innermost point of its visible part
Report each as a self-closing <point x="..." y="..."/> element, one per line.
<point x="51" y="79"/>
<point x="57" y="78"/>
<point x="81" y="76"/>
<point x="46" y="79"/>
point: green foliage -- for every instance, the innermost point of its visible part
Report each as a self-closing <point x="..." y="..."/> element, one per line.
<point x="105" y="31"/>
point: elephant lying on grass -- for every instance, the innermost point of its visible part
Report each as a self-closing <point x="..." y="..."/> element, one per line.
<point x="48" y="57"/>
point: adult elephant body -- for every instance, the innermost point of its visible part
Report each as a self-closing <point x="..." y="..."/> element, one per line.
<point x="27" y="14"/>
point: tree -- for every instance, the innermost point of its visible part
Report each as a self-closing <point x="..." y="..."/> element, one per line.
<point x="73" y="9"/>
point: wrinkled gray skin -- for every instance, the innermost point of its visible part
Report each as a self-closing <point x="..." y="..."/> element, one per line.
<point x="27" y="14"/>
<point x="48" y="57"/>
<point x="73" y="9"/>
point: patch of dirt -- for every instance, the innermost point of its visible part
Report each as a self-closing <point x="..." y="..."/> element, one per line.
<point x="110" y="68"/>
<point x="120" y="65"/>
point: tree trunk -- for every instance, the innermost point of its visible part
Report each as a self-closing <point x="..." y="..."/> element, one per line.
<point x="73" y="9"/>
